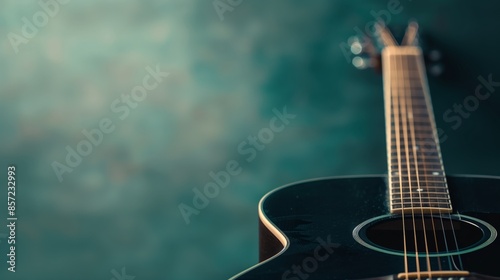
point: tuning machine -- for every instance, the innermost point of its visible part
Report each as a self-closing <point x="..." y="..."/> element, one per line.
<point x="364" y="54"/>
<point x="434" y="62"/>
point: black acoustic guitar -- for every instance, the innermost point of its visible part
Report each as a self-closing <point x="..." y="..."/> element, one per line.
<point x="413" y="223"/>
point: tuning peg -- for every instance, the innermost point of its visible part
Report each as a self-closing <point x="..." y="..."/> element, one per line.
<point x="361" y="62"/>
<point x="434" y="63"/>
<point x="436" y="69"/>
<point x="434" y="55"/>
<point x="355" y="45"/>
<point x="362" y="50"/>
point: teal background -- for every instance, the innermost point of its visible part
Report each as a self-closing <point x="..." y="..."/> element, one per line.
<point x="119" y="207"/>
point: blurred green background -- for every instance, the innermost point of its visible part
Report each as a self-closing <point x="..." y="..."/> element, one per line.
<point x="227" y="70"/>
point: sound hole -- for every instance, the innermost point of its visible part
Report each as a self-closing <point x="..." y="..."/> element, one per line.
<point x="442" y="234"/>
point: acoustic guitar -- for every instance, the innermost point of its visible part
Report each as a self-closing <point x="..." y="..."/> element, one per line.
<point x="413" y="223"/>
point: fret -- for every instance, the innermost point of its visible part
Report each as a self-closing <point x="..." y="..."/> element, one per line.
<point x="417" y="129"/>
<point x="418" y="125"/>
<point x="421" y="148"/>
<point x="415" y="80"/>
<point x="416" y="122"/>
<point x="426" y="203"/>
<point x="402" y="154"/>
<point x="419" y="195"/>
<point x="427" y="138"/>
<point x="431" y="178"/>
<point x="416" y="101"/>
<point x="414" y="111"/>
<point x="438" y="173"/>
<point x="416" y="204"/>
<point x="421" y="200"/>
<point x="421" y="144"/>
<point x="416" y="173"/>
<point x="418" y="138"/>
<point x="422" y="195"/>
<point x="423" y="170"/>
<point x="414" y="189"/>
<point x="414" y="183"/>
<point x="418" y="106"/>
<point x="401" y="162"/>
<point x="421" y="183"/>
<point x="412" y="118"/>
<point x="428" y="181"/>
<point x="413" y="174"/>
<point x="419" y="160"/>
<point x="415" y="88"/>
<point x="422" y="174"/>
<point x="419" y="166"/>
<point x="422" y="118"/>
<point x="408" y="185"/>
<point x="422" y="153"/>
<point x="419" y="135"/>
<point x="416" y="198"/>
<point x="418" y="117"/>
<point x="444" y="204"/>
<point x="413" y="178"/>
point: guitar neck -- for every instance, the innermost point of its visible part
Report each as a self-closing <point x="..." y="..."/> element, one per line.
<point x="417" y="181"/>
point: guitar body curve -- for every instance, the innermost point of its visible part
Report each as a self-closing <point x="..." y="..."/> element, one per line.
<point x="306" y="229"/>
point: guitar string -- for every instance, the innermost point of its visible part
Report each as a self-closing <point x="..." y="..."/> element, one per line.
<point x="392" y="65"/>
<point x="451" y="259"/>
<point x="426" y="180"/>
<point x="456" y="246"/>
<point x="409" y="105"/>
<point x="405" y="137"/>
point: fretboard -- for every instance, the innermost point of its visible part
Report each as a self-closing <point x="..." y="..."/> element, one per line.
<point x="417" y="181"/>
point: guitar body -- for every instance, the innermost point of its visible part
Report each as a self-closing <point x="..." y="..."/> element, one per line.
<point x="307" y="230"/>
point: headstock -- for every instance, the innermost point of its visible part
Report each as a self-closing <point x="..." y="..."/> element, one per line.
<point x="368" y="47"/>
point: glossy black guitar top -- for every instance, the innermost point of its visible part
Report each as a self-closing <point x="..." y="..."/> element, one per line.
<point x="413" y="223"/>
<point x="309" y="225"/>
